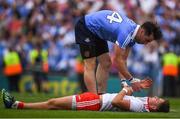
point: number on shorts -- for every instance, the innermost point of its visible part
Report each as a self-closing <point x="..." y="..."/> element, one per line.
<point x="115" y="17"/>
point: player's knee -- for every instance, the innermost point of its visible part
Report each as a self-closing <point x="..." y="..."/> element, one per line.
<point x="51" y="104"/>
<point x="106" y="64"/>
<point x="90" y="66"/>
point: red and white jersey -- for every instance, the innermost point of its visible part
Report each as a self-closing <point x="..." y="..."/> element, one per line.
<point x="137" y="104"/>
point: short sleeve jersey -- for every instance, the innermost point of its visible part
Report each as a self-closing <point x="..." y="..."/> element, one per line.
<point x="112" y="26"/>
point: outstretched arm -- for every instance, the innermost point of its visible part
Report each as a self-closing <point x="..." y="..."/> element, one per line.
<point x="144" y="84"/>
<point x="120" y="59"/>
<point x="119" y="102"/>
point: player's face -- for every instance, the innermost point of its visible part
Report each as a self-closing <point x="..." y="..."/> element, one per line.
<point x="155" y="101"/>
<point x="143" y="38"/>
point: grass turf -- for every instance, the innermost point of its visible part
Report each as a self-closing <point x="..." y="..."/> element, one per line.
<point x="8" y="113"/>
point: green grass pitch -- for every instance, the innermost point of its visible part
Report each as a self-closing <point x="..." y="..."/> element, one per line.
<point x="8" y="113"/>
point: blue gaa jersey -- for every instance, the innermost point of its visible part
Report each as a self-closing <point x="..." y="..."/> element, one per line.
<point x="112" y="26"/>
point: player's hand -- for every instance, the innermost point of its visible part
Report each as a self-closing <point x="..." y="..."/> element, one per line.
<point x="129" y="89"/>
<point x="146" y="83"/>
<point x="136" y="86"/>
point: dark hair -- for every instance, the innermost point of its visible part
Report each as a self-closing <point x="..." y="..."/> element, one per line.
<point x="152" y="28"/>
<point x="164" y="107"/>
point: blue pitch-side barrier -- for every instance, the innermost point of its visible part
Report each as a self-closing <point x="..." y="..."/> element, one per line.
<point x="61" y="85"/>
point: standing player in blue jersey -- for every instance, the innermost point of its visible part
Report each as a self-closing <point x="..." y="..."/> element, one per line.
<point x="92" y="33"/>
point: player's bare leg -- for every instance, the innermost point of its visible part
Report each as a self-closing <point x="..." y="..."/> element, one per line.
<point x="102" y="72"/>
<point x="54" y="103"/>
<point x="64" y="103"/>
<point x="89" y="74"/>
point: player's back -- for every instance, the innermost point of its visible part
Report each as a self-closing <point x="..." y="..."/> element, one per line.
<point x="110" y="25"/>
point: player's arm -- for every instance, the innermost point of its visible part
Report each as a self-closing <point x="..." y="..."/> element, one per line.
<point x="118" y="100"/>
<point x="144" y="84"/>
<point x="120" y="60"/>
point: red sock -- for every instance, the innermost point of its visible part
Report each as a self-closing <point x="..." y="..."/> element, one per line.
<point x="21" y="105"/>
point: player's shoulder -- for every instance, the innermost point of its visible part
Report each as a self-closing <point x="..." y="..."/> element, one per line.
<point x="107" y="12"/>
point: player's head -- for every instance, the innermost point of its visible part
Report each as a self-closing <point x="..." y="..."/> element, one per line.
<point x="158" y="104"/>
<point x="148" y="32"/>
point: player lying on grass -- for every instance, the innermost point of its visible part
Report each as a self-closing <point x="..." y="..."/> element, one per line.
<point x="122" y="101"/>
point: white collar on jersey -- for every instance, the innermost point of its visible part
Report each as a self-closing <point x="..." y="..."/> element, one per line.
<point x="135" y="32"/>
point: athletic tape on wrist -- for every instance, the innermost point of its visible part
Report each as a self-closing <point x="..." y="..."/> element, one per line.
<point x="131" y="79"/>
<point x="125" y="90"/>
<point x="125" y="82"/>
